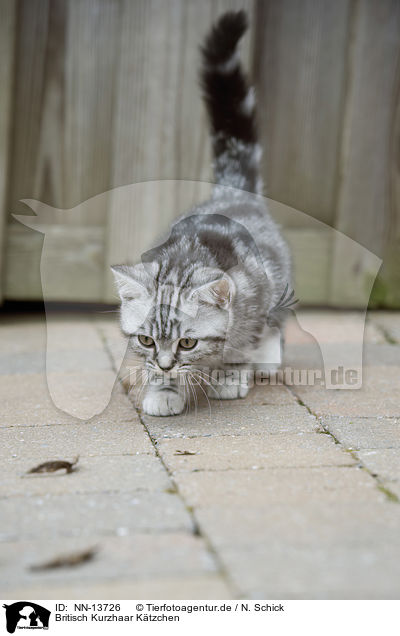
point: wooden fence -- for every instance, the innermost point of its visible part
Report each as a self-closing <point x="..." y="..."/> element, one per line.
<point x="98" y="94"/>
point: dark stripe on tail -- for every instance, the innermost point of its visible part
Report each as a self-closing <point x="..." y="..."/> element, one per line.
<point x="230" y="104"/>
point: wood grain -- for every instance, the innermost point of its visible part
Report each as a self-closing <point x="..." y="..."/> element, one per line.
<point x="300" y="70"/>
<point x="105" y="95"/>
<point x="7" y="46"/>
<point x="363" y="211"/>
<point x="160" y="126"/>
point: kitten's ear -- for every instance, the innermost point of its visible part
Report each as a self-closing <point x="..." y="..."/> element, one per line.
<point x="218" y="292"/>
<point x="134" y="282"/>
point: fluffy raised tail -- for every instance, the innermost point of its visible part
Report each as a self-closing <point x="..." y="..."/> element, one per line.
<point x="231" y="106"/>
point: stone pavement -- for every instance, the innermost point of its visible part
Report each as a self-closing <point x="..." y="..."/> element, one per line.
<point x="291" y="493"/>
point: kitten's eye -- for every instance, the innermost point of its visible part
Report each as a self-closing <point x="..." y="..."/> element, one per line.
<point x="187" y="343"/>
<point x="146" y="341"/>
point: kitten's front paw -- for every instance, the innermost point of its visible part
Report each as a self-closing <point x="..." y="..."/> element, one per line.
<point x="224" y="392"/>
<point x="163" y="403"/>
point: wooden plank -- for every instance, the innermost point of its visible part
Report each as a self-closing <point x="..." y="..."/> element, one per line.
<point x="299" y="69"/>
<point x="386" y="291"/>
<point x="312" y="243"/>
<point x="70" y="259"/>
<point x="66" y="276"/>
<point x="62" y="122"/>
<point x="66" y="60"/>
<point x="363" y="207"/>
<point x="107" y="94"/>
<point x="91" y="59"/>
<point x="7" y="45"/>
<point x="30" y="62"/>
<point x="310" y="266"/>
<point x="160" y="125"/>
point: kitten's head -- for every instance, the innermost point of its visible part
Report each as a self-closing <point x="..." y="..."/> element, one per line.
<point x="174" y="325"/>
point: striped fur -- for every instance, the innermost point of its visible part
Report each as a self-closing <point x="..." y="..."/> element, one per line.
<point x="230" y="103"/>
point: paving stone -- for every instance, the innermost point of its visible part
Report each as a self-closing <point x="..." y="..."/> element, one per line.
<point x="352" y="541"/>
<point x="382" y="354"/>
<point x="22" y="334"/>
<point x="314" y="573"/>
<point x="308" y="356"/>
<point x="385" y="463"/>
<point x="372" y="333"/>
<point x="32" y="444"/>
<point x="25" y="401"/>
<point x="378" y="396"/>
<point x="118" y="410"/>
<point x="85" y="515"/>
<point x="335" y="326"/>
<point x="92" y="474"/>
<point x="340" y="341"/>
<point x="336" y="354"/>
<point x="108" y="324"/>
<point x="82" y="360"/>
<point x="389" y="321"/>
<point x="363" y="432"/>
<point x="211" y="586"/>
<point x="294" y="334"/>
<point x="82" y="394"/>
<point x="116" y="342"/>
<point x="128" y="558"/>
<point x="26" y="362"/>
<point x="261" y="394"/>
<point x="233" y="418"/>
<point x="286" y="485"/>
<point x="269" y="395"/>
<point x="72" y="333"/>
<point x="303" y="356"/>
<point x="129" y="372"/>
<point x="349" y="523"/>
<point x="393" y="487"/>
<point x="78" y="370"/>
<point x="288" y="512"/>
<point x="252" y="452"/>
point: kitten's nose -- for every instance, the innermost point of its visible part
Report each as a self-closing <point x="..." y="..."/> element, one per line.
<point x="165" y="362"/>
<point x="166" y="368"/>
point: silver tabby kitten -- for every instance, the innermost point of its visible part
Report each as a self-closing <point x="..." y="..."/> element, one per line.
<point x="207" y="296"/>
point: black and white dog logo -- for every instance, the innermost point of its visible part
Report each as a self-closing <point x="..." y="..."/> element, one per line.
<point x="26" y="615"/>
